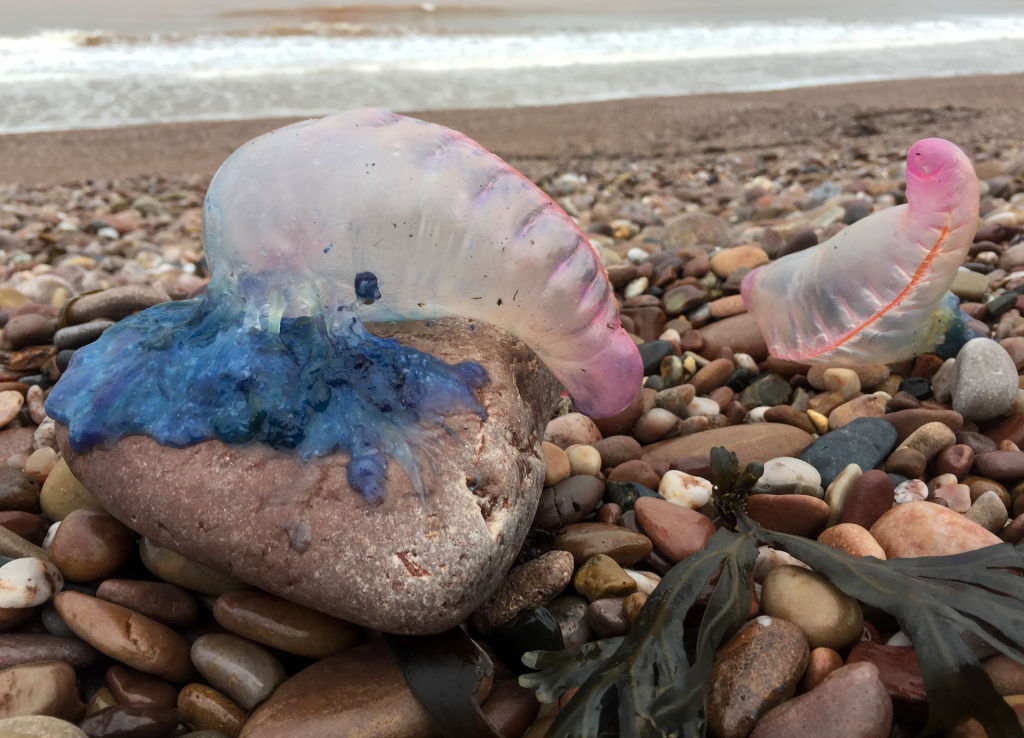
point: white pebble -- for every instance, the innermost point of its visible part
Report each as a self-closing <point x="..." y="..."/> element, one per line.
<point x="899" y="638"/>
<point x="844" y="381"/>
<point x="50" y="533"/>
<point x="769" y="558"/>
<point x="636" y="255"/>
<point x="785" y="475"/>
<point x="942" y="381"/>
<point x="703" y="406"/>
<point x="583" y="459"/>
<point x="646" y="581"/>
<point x="746" y="361"/>
<point x="685" y="489"/>
<point x="912" y="490"/>
<point x="635" y="287"/>
<point x="756" y="414"/>
<point x="28" y="582"/>
<point x="45" y="434"/>
<point x="34" y="398"/>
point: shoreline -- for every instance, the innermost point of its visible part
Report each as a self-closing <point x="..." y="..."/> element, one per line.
<point x="972" y="111"/>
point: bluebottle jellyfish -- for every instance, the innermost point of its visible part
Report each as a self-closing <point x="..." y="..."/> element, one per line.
<point x="876" y="292"/>
<point x="362" y="212"/>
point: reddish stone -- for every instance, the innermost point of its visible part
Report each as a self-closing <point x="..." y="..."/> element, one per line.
<point x="956" y="459"/>
<point x="675" y="530"/>
<point x="801" y="515"/>
<point x="635" y="471"/>
<point x="870" y="497"/>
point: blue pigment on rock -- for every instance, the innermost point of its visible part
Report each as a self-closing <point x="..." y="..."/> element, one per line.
<point x="189" y="371"/>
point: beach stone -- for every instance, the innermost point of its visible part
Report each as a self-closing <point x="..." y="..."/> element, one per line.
<point x="910" y="490"/>
<point x="727" y="261"/>
<point x="800" y="515"/>
<point x="969" y="284"/>
<point x="925" y="529"/>
<point x="584" y="540"/>
<point x="787" y="475"/>
<point x="821" y="663"/>
<point x="897" y="668"/>
<point x="767" y="390"/>
<point x="750" y="442"/>
<point x="791" y="416"/>
<point x="1000" y="465"/>
<point x="1006" y="674"/>
<point x="647" y="321"/>
<point x="623" y="421"/>
<point x="76" y="336"/>
<point x="283" y="625"/>
<point x="584" y="459"/>
<point x="712" y="375"/>
<point x="556" y="464"/>
<point x="161" y="601"/>
<point x="839" y="490"/>
<point x="600" y="577"/>
<point x="511" y="708"/>
<point x="10" y="403"/>
<point x="177" y="569"/>
<point x="569" y="429"/>
<point x="114" y="303"/>
<point x="988" y="511"/>
<point x="359" y="693"/>
<point x="24" y="524"/>
<point x="864" y="406"/>
<point x="844" y="381"/>
<point x="852" y="539"/>
<point x="691" y="229"/>
<point x="533" y="584"/>
<point x="638" y="471"/>
<point x="90" y="545"/>
<point x="62" y="493"/>
<point x="126" y="636"/>
<point x="27" y="582"/>
<point x="870" y="497"/>
<point x="851" y="702"/>
<point x="685" y="489"/>
<point x="568" y="502"/>
<point x="133" y="687"/>
<point x="17" y="491"/>
<point x="571" y="613"/>
<point x="617" y="449"/>
<point x="655" y="424"/>
<point x="738" y="332"/>
<point x="906" y="462"/>
<point x="826" y="615"/>
<point x="985" y="380"/>
<point x="29" y="329"/>
<point x="606" y="617"/>
<point x="651" y="354"/>
<point x="46" y="688"/>
<point x="39" y="726"/>
<point x="907" y="421"/>
<point x="957" y="497"/>
<point x="14" y="546"/>
<point x="863" y="441"/>
<point x="756" y="669"/>
<point x="15" y="441"/>
<point x="683" y="298"/>
<point x="676" y="531"/>
<point x="27" y="648"/>
<point x="956" y="459"/>
<point x="207" y="709"/>
<point x="244" y="671"/>
<point x="412" y="566"/>
<point x="138" y="721"/>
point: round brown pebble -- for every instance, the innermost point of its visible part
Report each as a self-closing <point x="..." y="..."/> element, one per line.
<point x="281" y="624"/>
<point x="244" y="671"/>
<point x="208" y="709"/>
<point x="126" y="636"/>
<point x="90" y="545"/>
<point x="870" y="497"/>
<point x="957" y="459"/>
<point x="17" y="491"/>
<point x="822" y="662"/>
<point x="571" y="428"/>
<point x="800" y="515"/>
<point x="852" y="539"/>
<point x="675" y="530"/>
<point x="826" y="615"/>
<point x="616" y="450"/>
<point x="556" y="464"/>
<point x="166" y="603"/>
<point x="27" y="648"/>
<point x="584" y="540"/>
<point x="25" y="524"/>
<point x="46" y="688"/>
<point x="138" y="721"/>
<point x="176" y="569"/>
<point x="635" y="471"/>
<point x="133" y="687"/>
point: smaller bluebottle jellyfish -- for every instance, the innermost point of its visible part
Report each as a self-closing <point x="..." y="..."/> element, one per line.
<point x="362" y="212"/>
<point x="876" y="292"/>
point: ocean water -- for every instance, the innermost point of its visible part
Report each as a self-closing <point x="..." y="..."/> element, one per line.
<point x="68" y="64"/>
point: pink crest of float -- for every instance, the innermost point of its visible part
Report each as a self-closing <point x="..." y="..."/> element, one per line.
<point x="448" y="228"/>
<point x="871" y="293"/>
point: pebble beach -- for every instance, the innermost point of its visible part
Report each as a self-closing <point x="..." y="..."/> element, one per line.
<point x="106" y="633"/>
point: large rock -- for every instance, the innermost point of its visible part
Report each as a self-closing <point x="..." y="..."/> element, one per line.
<point x="295" y="528"/>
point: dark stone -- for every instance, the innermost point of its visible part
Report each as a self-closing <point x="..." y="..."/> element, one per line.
<point x="1001" y="304"/>
<point x="624" y="494"/>
<point x="64" y="358"/>
<point x="771" y="389"/>
<point x="532" y="629"/>
<point x="568" y="502"/>
<point x="76" y="336"/>
<point x="740" y="379"/>
<point x="127" y="721"/>
<point x="864" y="441"/>
<point x="918" y="387"/>
<point x="802" y="240"/>
<point x="651" y="354"/>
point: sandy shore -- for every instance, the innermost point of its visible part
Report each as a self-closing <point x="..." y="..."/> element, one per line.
<point x="968" y="110"/>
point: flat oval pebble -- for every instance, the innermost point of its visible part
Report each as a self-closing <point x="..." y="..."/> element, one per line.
<point x="907" y="421"/>
<point x="676" y="531"/>
<point x="47" y="688"/>
<point x="568" y="502"/>
<point x="10" y="403"/>
<point x="584" y="540"/>
<point x="800" y="515"/>
<point x="863" y="441"/>
<point x="359" y="693"/>
<point x="27" y="648"/>
<point x="785" y="475"/>
<point x="750" y="442"/>
<point x="851" y="702"/>
<point x="606" y="617"/>
<point x="532" y="584"/>
<point x="134" y="721"/>
<point x="244" y="671"/>
<point x="556" y="464"/>
<point x="133" y="687"/>
<point x="925" y="529"/>
<point x="126" y="636"/>
<point x="164" y="602"/>
<point x="826" y="615"/>
<point x="113" y="303"/>
<point x="208" y="709"/>
<point x="76" y="336"/>
<point x="281" y="624"/>
<point x="62" y="493"/>
<point x="1002" y="465"/>
<point x="985" y="380"/>
<point x="870" y="497"/>
<point x="571" y="428"/>
<point x="176" y="569"/>
<point x="27" y="582"/>
<point x="90" y="545"/>
<point x="852" y="539"/>
<point x="39" y="726"/>
<point x="756" y="669"/>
